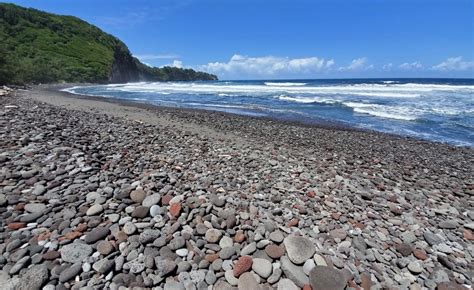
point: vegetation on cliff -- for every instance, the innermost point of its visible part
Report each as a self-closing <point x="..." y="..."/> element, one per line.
<point x="40" y="47"/>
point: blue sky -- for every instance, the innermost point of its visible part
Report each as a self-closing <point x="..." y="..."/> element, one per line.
<point x="251" y="39"/>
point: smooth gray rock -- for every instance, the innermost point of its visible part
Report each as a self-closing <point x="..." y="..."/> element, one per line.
<point x="96" y="234"/>
<point x="325" y="278"/>
<point x="70" y="272"/>
<point x="35" y="207"/>
<point x="293" y="272"/>
<point x="299" y="249"/>
<point x="103" y="266"/>
<point x="75" y="252"/>
<point x="262" y="267"/>
<point x="151" y="200"/>
<point x="247" y="281"/>
<point x="34" y="278"/>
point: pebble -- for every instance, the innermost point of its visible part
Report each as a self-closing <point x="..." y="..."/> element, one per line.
<point x="242" y="265"/>
<point x="213" y="235"/>
<point x="286" y="284"/>
<point x="137" y="205"/>
<point x="299" y="249"/>
<point x="138" y="195"/>
<point x="104" y="247"/>
<point x="95" y="209"/>
<point x="75" y="252"/>
<point x="262" y="267"/>
<point x="415" y="267"/>
<point x="247" y="281"/>
<point x="70" y="272"/>
<point x="326" y="278"/>
<point x="274" y="251"/>
<point x="35" y="207"/>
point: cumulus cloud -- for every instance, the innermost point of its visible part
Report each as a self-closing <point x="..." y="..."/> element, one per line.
<point x="358" y="64"/>
<point x="241" y="65"/>
<point x="411" y="65"/>
<point x="145" y="57"/>
<point x="175" y="63"/>
<point x="453" y="64"/>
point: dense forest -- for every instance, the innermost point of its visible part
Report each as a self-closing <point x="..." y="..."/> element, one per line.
<point x="40" y="47"/>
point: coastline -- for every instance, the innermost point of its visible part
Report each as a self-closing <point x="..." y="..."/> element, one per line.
<point x="374" y="209"/>
<point x="191" y="114"/>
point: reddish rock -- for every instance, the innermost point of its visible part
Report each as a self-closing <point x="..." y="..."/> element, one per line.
<point x="19" y="206"/>
<point x="71" y="236"/>
<point x="211" y="257"/>
<point x="420" y="254"/>
<point x="165" y="200"/>
<point x="293" y="222"/>
<point x="366" y="282"/>
<point x="468" y="235"/>
<point x="121" y="236"/>
<point x="81" y="227"/>
<point x="353" y="284"/>
<point x="244" y="264"/>
<point x="138" y="195"/>
<point x="16" y="226"/>
<point x="175" y="209"/>
<point x="239" y="237"/>
<point x="311" y="194"/>
<point x="359" y="225"/>
<point x="336" y="215"/>
<point x="44" y="236"/>
<point x="51" y="255"/>
<point x="274" y="251"/>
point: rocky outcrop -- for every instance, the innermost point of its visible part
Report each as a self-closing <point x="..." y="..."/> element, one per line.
<point x="124" y="68"/>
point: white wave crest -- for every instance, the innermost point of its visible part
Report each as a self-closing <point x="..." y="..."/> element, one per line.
<point x="307" y="100"/>
<point x="398" y="113"/>
<point x="287" y="84"/>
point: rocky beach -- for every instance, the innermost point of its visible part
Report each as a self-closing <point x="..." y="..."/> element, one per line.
<point x="103" y="194"/>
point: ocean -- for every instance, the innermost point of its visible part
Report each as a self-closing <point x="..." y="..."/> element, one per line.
<point x="431" y="109"/>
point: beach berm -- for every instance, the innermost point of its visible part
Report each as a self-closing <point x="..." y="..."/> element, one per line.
<point x="100" y="194"/>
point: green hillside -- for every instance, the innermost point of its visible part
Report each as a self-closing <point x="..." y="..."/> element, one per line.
<point x="39" y="47"/>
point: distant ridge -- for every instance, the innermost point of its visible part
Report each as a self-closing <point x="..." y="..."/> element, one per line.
<point x="40" y="47"/>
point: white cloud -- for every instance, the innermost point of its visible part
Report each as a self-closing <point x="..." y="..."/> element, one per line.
<point x="411" y="65"/>
<point x="454" y="63"/>
<point x="387" y="66"/>
<point x="358" y="64"/>
<point x="175" y="63"/>
<point x="242" y="66"/>
<point x="145" y="57"/>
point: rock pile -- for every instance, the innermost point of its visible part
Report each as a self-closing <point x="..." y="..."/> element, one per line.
<point x="92" y="200"/>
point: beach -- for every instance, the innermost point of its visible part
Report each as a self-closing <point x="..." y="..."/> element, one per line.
<point x="105" y="193"/>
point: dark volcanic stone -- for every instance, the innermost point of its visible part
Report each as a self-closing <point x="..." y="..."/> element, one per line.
<point x="70" y="272"/>
<point x="96" y="234"/>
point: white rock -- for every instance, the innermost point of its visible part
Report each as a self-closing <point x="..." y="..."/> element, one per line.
<point x="229" y="276"/>
<point x="286" y="284"/>
<point x="308" y="266"/>
<point x="320" y="261"/>
<point x="226" y="242"/>
<point x="182" y="252"/>
<point x="262" y="267"/>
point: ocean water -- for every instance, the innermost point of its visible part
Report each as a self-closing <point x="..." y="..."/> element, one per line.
<point x="432" y="109"/>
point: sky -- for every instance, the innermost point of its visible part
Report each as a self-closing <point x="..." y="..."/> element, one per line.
<point x="289" y="39"/>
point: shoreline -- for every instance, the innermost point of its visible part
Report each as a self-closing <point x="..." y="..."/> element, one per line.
<point x="318" y="124"/>
<point x="107" y="194"/>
